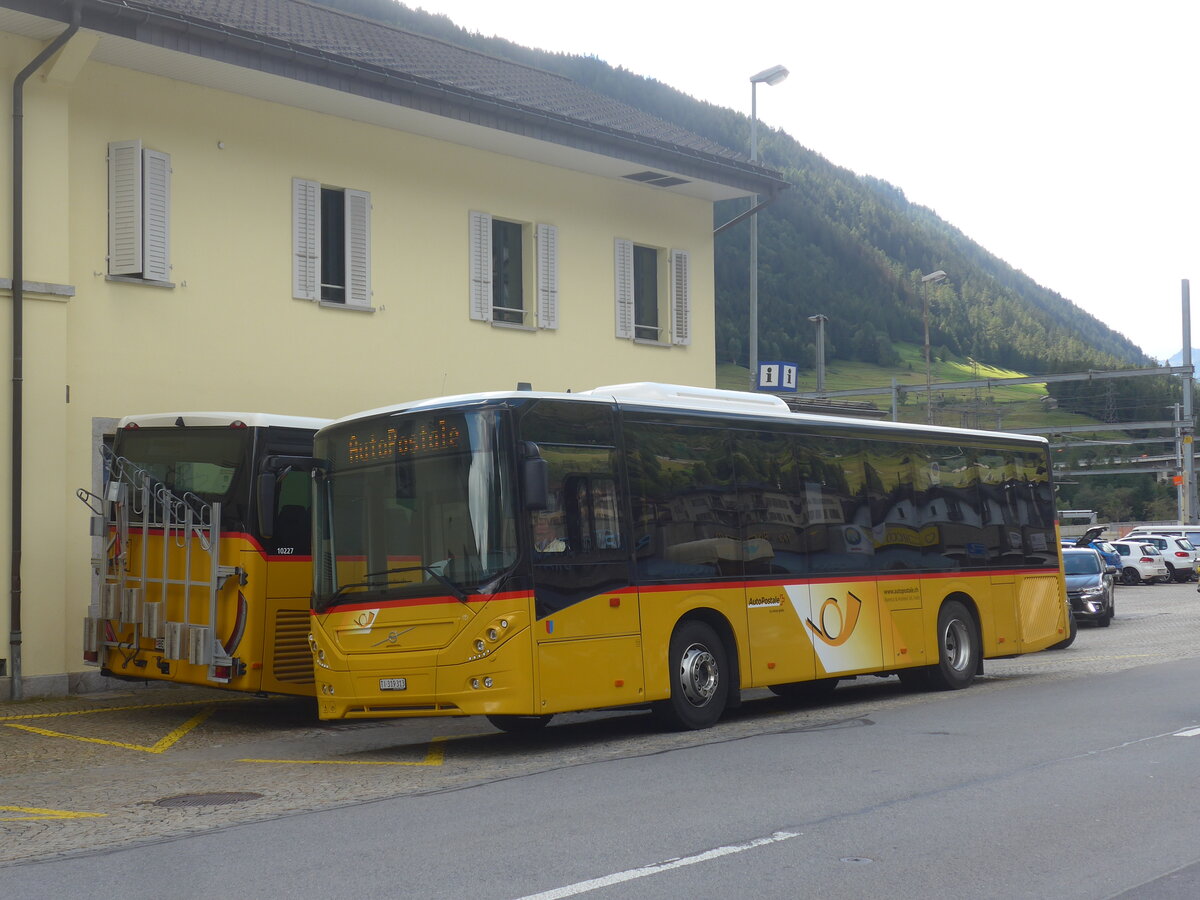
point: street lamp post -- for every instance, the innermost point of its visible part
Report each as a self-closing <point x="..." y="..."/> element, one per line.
<point x="932" y="277"/>
<point x="772" y="77"/>
<point x="820" y="320"/>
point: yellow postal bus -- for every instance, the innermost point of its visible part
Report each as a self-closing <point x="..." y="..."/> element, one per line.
<point x="206" y="566"/>
<point x="522" y="554"/>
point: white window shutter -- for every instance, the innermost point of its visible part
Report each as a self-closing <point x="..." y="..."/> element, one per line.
<point x="156" y="215"/>
<point x="306" y="239"/>
<point x="681" y="298"/>
<point x="125" y="208"/>
<point x="481" y="266"/>
<point x="358" y="248"/>
<point x="547" y="263"/>
<point x="624" y="282"/>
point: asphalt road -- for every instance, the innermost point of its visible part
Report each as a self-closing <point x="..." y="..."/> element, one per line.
<point x="1068" y="773"/>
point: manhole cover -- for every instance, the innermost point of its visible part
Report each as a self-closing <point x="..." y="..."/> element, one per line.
<point x="207" y="799"/>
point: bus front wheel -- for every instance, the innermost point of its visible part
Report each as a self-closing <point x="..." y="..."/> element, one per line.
<point x="700" y="671"/>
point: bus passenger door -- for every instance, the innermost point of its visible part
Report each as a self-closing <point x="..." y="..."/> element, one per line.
<point x="287" y="664"/>
<point x="587" y="629"/>
<point x="588" y="639"/>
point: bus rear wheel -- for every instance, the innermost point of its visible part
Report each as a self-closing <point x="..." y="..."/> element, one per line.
<point x="699" y="667"/>
<point x="958" y="648"/>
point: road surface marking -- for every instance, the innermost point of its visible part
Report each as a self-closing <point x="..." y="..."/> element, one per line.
<point x="36" y="814"/>
<point x="159" y="746"/>
<point x="104" y="709"/>
<point x="583" y="887"/>
<point x="1191" y="732"/>
<point x="434" y="757"/>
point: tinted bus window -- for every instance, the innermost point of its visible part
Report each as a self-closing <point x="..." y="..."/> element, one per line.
<point x="684" y="503"/>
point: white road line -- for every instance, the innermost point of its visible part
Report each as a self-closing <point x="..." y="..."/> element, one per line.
<point x="1191" y="732"/>
<point x="582" y="887"/>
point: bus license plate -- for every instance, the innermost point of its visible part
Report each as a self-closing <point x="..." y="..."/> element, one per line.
<point x="393" y="684"/>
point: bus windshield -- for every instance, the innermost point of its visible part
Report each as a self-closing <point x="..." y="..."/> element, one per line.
<point x="197" y="465"/>
<point x="417" y="504"/>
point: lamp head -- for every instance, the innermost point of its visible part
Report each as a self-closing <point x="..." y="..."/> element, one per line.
<point x="771" y="76"/>
<point x="934" y="276"/>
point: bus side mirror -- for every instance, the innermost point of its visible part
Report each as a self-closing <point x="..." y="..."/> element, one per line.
<point x="266" y="504"/>
<point x="535" y="478"/>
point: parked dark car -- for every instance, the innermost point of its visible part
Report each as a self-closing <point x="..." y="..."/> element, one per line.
<point x="1089" y="585"/>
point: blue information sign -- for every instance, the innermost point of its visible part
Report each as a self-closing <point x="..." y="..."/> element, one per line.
<point x="777" y="376"/>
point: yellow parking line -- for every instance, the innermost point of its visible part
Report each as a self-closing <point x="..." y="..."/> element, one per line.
<point x="435" y="756"/>
<point x="158" y="747"/>
<point x="88" y="712"/>
<point x="37" y="814"/>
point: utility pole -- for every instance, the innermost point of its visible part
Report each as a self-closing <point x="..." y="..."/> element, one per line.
<point x="1189" y="419"/>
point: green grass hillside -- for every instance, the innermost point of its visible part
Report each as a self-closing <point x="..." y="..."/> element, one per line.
<point x="1004" y="407"/>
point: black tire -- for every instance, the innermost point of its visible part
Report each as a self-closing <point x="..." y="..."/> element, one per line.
<point x="958" y="648"/>
<point x="1130" y="576"/>
<point x="806" y="691"/>
<point x="699" y="667"/>
<point x="1110" y="610"/>
<point x="1072" y="630"/>
<point x="1180" y="576"/>
<point x="520" y="724"/>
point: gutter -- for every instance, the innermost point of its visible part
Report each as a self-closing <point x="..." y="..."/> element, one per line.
<point x="18" y="333"/>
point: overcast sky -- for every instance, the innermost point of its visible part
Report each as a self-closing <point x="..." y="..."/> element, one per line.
<point x="1058" y="134"/>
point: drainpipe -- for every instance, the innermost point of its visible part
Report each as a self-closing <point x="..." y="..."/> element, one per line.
<point x="18" y="336"/>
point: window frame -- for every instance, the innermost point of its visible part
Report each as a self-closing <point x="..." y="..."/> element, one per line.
<point x="139" y="213"/>
<point x="538" y="273"/>
<point x="672" y="285"/>
<point x="307" y="229"/>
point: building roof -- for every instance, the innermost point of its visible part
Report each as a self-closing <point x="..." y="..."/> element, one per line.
<point x="306" y="42"/>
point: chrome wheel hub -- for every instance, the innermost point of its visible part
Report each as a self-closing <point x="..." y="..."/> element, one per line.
<point x="698" y="674"/>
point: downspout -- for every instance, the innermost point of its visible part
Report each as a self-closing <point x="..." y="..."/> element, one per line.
<point x="18" y="336"/>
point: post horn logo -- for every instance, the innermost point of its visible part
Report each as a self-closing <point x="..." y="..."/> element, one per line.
<point x="837" y="624"/>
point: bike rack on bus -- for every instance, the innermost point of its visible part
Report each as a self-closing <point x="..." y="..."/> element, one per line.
<point x="143" y="595"/>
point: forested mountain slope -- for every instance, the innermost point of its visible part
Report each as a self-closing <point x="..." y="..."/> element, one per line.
<point x="848" y="246"/>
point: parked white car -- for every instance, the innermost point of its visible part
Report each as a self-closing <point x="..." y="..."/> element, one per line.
<point x="1180" y="555"/>
<point x="1191" y="532"/>
<point x="1141" y="563"/>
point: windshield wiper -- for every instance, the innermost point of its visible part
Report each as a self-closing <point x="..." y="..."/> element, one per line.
<point x="459" y="594"/>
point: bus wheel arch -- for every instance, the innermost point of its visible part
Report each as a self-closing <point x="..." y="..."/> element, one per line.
<point x="958" y="645"/>
<point x="702" y="664"/>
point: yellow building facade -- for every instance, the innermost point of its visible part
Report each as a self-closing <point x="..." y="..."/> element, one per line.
<point x="302" y="244"/>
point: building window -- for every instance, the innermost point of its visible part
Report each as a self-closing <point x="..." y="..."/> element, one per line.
<point x="641" y="284"/>
<point x="645" y="293"/>
<point x="508" y="295"/>
<point x="139" y="212"/>
<point x="504" y="268"/>
<point x="331" y="243"/>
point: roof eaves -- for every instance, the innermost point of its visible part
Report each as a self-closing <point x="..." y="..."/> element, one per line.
<point x="185" y="33"/>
